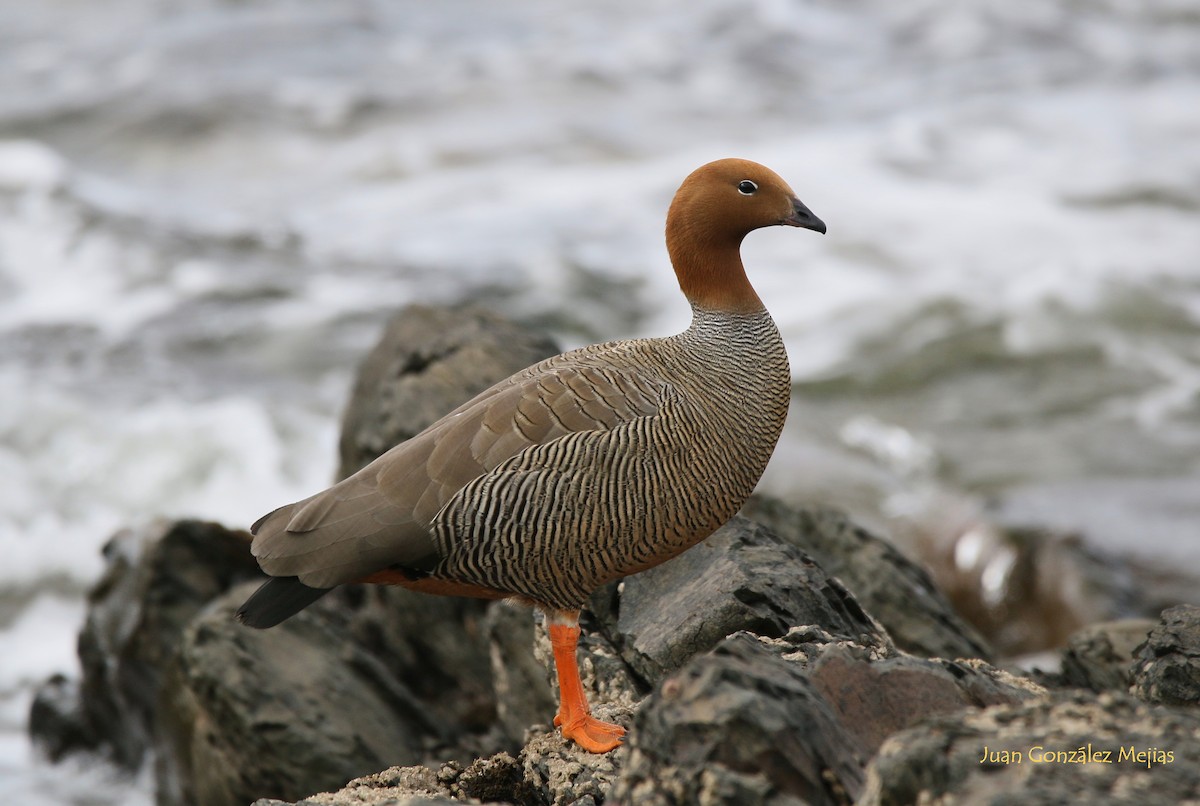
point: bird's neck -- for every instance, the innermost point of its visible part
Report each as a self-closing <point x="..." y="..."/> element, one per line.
<point x="710" y="271"/>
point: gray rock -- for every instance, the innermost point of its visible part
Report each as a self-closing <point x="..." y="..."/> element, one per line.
<point x="57" y="720"/>
<point x="1100" y="657"/>
<point x="1168" y="663"/>
<point x="524" y="695"/>
<point x="284" y="712"/>
<point x="413" y="786"/>
<point x="549" y="771"/>
<point x="739" y="725"/>
<point x="437" y="647"/>
<point x="743" y="577"/>
<point x="429" y="361"/>
<point x="559" y="773"/>
<point x="943" y="761"/>
<point x="395" y="786"/>
<point x="900" y="594"/>
<point x="875" y="693"/>
<point x="754" y="721"/>
<point x="155" y="581"/>
<point x="791" y="720"/>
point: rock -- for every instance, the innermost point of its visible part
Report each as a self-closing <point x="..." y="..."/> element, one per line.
<point x="548" y="772"/>
<point x="57" y="720"/>
<point x="1150" y="751"/>
<point x="524" y="694"/>
<point x="875" y="693"/>
<point x="558" y="773"/>
<point x="743" y="577"/>
<point x="429" y="361"/>
<point x="1168" y="663"/>
<point x="396" y="786"/>
<point x="791" y="720"/>
<point x="753" y="721"/>
<point x="1100" y="657"/>
<point x="900" y="594"/>
<point x="156" y="580"/>
<point x="490" y="779"/>
<point x="739" y="725"/>
<point x="285" y="712"/>
<point x="437" y="647"/>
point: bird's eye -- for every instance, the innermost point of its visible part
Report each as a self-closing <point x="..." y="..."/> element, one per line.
<point x="746" y="187"/>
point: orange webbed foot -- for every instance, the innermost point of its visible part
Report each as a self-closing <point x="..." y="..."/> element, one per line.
<point x="593" y="735"/>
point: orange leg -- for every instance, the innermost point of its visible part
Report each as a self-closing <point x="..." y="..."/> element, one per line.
<point x="573" y="715"/>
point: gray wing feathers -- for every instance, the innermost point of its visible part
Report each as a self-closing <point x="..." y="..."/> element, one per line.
<point x="345" y="533"/>
<point x="381" y="516"/>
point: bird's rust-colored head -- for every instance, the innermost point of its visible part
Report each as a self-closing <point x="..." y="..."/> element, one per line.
<point x="713" y="210"/>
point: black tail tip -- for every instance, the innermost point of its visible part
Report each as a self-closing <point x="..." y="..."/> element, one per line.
<point x="258" y="621"/>
<point x="278" y="599"/>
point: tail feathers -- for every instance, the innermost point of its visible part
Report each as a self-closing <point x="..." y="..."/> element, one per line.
<point x="279" y="598"/>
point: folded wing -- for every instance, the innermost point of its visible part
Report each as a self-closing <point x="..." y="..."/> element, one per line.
<point x="379" y="518"/>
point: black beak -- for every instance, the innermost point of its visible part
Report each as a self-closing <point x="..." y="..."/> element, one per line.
<point x="803" y="217"/>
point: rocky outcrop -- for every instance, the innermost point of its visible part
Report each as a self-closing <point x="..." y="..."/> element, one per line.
<point x="755" y="720"/>
<point x="428" y="361"/>
<point x="744" y="577"/>
<point x="292" y="710"/>
<point x="795" y="719"/>
<point x="548" y="771"/>
<point x="157" y="579"/>
<point x="891" y="587"/>
<point x="792" y="657"/>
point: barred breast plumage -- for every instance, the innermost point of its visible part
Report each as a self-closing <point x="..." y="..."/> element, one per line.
<point x="581" y="469"/>
<point x="556" y="521"/>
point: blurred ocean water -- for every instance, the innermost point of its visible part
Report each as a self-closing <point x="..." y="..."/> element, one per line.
<point x="207" y="209"/>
